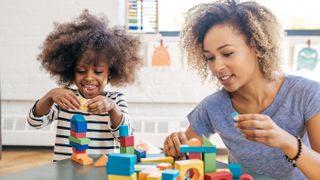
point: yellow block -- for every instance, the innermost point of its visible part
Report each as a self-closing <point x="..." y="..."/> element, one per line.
<point x="83" y="105"/>
<point x="223" y="169"/>
<point x="167" y="159"/>
<point x="117" y="177"/>
<point x="195" y="164"/>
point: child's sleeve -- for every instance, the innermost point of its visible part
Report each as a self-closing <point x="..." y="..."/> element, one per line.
<point x="123" y="106"/>
<point x="39" y="122"/>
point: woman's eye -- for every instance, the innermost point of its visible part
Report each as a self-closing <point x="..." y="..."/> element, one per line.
<point x="228" y="54"/>
<point x="208" y="58"/>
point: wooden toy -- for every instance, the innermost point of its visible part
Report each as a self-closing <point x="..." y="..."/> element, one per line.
<point x="126" y="141"/>
<point x="170" y="174"/>
<point x="117" y="177"/>
<point x="127" y="150"/>
<point x="195" y="164"/>
<point x="157" y="175"/>
<point x="246" y="177"/>
<point x="102" y="161"/>
<point x="124" y="130"/>
<point x="143" y="174"/>
<point x="223" y="175"/>
<point x="235" y="169"/>
<point x="163" y="166"/>
<point x="167" y="159"/>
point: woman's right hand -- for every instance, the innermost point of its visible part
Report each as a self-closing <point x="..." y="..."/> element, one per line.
<point x="65" y="98"/>
<point x="172" y="144"/>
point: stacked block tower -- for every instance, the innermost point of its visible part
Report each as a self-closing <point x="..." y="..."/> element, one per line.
<point x="126" y="141"/>
<point x="79" y="141"/>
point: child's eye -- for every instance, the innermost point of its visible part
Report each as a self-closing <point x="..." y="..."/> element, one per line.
<point x="98" y="72"/>
<point x="80" y="71"/>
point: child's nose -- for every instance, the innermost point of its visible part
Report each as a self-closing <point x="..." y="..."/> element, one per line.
<point x="90" y="76"/>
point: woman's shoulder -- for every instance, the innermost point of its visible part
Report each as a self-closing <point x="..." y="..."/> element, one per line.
<point x="218" y="96"/>
<point x="299" y="83"/>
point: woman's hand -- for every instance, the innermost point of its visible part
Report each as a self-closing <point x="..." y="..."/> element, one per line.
<point x="261" y="128"/>
<point x="172" y="144"/>
<point x="100" y="104"/>
<point x="65" y="98"/>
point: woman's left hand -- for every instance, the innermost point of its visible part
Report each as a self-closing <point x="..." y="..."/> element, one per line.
<point x="261" y="128"/>
<point x="100" y="104"/>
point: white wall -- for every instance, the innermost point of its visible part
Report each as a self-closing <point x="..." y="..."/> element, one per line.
<point x="158" y="102"/>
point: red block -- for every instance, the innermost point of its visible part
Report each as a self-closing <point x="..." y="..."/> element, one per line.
<point x="77" y="135"/>
<point x="195" y="156"/>
<point x="74" y="150"/>
<point x="246" y="177"/>
<point x="126" y="141"/>
<point x="223" y="175"/>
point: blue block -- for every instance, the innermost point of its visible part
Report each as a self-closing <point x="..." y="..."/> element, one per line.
<point x="119" y="169"/>
<point x="79" y="126"/>
<point x="170" y="174"/>
<point x="78" y="146"/>
<point x="199" y="149"/>
<point x="140" y="154"/>
<point x="235" y="170"/>
<point x="78" y="118"/>
<point x="234" y="114"/>
<point x="124" y="130"/>
<point x="122" y="158"/>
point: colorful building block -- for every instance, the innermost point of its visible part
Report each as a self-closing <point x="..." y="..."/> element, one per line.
<point x="127" y="150"/>
<point x="81" y="141"/>
<point x="126" y="141"/>
<point x="210" y="163"/>
<point x="170" y="174"/>
<point x="78" y="134"/>
<point x="117" y="177"/>
<point x="155" y="176"/>
<point x="75" y="151"/>
<point x="82" y="159"/>
<point x="198" y="149"/>
<point x="195" y="164"/>
<point x="194" y="142"/>
<point x="195" y="156"/>
<point x="79" y="126"/>
<point x="234" y="114"/>
<point x="246" y="177"/>
<point x="218" y="176"/>
<point x="122" y="158"/>
<point x="124" y="130"/>
<point x="102" y="161"/>
<point x="140" y="154"/>
<point x="167" y="159"/>
<point x="235" y="170"/>
<point x="163" y="166"/>
<point x="121" y="169"/>
<point x="144" y="174"/>
<point x="78" y="147"/>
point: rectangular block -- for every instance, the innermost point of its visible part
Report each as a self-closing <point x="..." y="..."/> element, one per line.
<point x="170" y="174"/>
<point x="117" y="177"/>
<point x="126" y="141"/>
<point x="78" y="134"/>
<point x="80" y="126"/>
<point x="127" y="150"/>
<point x="81" y="141"/>
<point x="75" y="151"/>
<point x="201" y="149"/>
<point x="140" y="154"/>
<point x="122" y="158"/>
<point x="167" y="159"/>
<point x="124" y="130"/>
<point x="78" y="147"/>
<point x="218" y="176"/>
<point x="235" y="169"/>
<point x="210" y="162"/>
<point x="195" y="156"/>
<point x="119" y="169"/>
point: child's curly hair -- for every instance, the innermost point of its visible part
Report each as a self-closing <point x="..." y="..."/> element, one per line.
<point x="255" y="22"/>
<point x="70" y="41"/>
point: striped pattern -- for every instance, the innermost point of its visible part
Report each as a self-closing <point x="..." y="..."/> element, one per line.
<point x="103" y="138"/>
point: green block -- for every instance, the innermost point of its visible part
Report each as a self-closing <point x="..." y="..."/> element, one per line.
<point x="206" y="142"/>
<point x="81" y="141"/>
<point x="210" y="164"/>
<point x="127" y="150"/>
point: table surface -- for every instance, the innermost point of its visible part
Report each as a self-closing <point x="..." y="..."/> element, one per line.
<point x="67" y="169"/>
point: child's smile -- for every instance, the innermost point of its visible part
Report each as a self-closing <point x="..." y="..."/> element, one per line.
<point x="91" y="79"/>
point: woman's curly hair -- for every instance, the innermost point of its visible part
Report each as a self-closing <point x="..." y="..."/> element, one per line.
<point x="69" y="42"/>
<point x="255" y="22"/>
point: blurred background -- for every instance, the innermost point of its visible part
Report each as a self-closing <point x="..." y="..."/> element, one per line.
<point x="166" y="89"/>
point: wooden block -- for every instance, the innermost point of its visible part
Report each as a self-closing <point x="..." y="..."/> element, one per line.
<point x="124" y="130"/>
<point x="140" y="154"/>
<point x="184" y="165"/>
<point x="210" y="163"/>
<point x="200" y="149"/>
<point x="122" y="158"/>
<point x="83" y="105"/>
<point x="195" y="156"/>
<point x="78" y="134"/>
<point x="81" y="141"/>
<point x="78" y="147"/>
<point x="218" y="176"/>
<point x="167" y="159"/>
<point x="163" y="166"/>
<point x="79" y="126"/>
<point x="102" y="161"/>
<point x="126" y="141"/>
<point x="235" y="170"/>
<point x="75" y="151"/>
<point x="127" y="150"/>
<point x="194" y="142"/>
<point x="155" y="175"/>
<point x="82" y="159"/>
<point x="117" y="177"/>
<point x="143" y="174"/>
<point x="170" y="174"/>
<point x="120" y="169"/>
<point x="246" y="177"/>
<point x="206" y="142"/>
<point x="223" y="170"/>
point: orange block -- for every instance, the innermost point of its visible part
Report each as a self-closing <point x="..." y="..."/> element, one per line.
<point x="218" y="176"/>
<point x="83" y="159"/>
<point x="102" y="161"/>
<point x="194" y="142"/>
<point x="163" y="166"/>
<point x="144" y="174"/>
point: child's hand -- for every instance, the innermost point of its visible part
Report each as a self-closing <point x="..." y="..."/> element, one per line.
<point x="100" y="104"/>
<point x="262" y="129"/>
<point x="172" y="145"/>
<point x="65" y="98"/>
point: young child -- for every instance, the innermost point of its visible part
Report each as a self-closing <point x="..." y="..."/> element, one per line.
<point x="279" y="121"/>
<point x="88" y="54"/>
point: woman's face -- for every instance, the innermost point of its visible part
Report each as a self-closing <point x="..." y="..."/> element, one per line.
<point x="229" y="57"/>
<point x="91" y="79"/>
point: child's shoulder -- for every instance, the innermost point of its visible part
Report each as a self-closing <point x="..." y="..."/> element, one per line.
<point x="113" y="94"/>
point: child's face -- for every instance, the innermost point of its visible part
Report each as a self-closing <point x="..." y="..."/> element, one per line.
<point x="91" y="79"/>
<point x="229" y="58"/>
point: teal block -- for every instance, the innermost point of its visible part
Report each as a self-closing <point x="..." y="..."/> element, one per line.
<point x="124" y="130"/>
<point x="122" y="158"/>
<point x="235" y="170"/>
<point x="170" y="174"/>
<point x="185" y="148"/>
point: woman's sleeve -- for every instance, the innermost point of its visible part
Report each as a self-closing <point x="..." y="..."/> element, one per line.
<point x="199" y="120"/>
<point x="312" y="105"/>
<point x="40" y="122"/>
